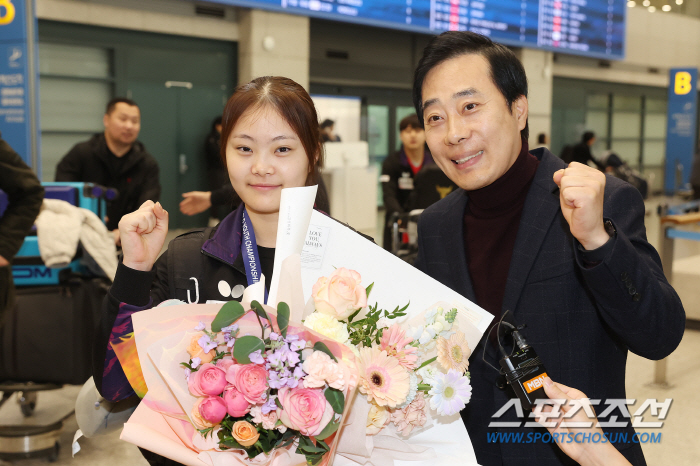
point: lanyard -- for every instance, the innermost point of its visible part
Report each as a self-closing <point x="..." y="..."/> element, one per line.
<point x="249" y="249"/>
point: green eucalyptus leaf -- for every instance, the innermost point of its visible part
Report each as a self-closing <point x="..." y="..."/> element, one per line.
<point x="327" y="431"/>
<point x="336" y="399"/>
<point x="320" y="346"/>
<point x="283" y="318"/>
<point x="228" y="314"/>
<point x="257" y="307"/>
<point x="246" y="345"/>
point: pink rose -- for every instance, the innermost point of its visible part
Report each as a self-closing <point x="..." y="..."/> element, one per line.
<point x="236" y="404"/>
<point x="250" y="380"/>
<point x="212" y="409"/>
<point x="320" y="369"/>
<point x="208" y="380"/>
<point x="304" y="409"/>
<point x="224" y="363"/>
<point x="339" y="295"/>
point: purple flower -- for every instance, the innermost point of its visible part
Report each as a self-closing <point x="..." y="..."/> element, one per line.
<point x="275" y="359"/>
<point x="230" y="328"/>
<point x="187" y="373"/>
<point x="256" y="357"/>
<point x="206" y="344"/>
<point x="297" y="345"/>
<point x="231" y="342"/>
<point x="269" y="405"/>
<point x="292" y="358"/>
<point x="200" y="326"/>
<point x="274" y="380"/>
<point x="275" y="337"/>
<point x="299" y="372"/>
<point x="292" y="382"/>
<point x="196" y="362"/>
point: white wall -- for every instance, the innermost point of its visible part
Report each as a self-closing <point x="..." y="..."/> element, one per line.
<point x="162" y="16"/>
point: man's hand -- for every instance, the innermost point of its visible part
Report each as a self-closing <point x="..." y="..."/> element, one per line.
<point x="195" y="202"/>
<point x="4" y="262"/>
<point x="581" y="190"/>
<point x="143" y="235"/>
<point x="584" y="452"/>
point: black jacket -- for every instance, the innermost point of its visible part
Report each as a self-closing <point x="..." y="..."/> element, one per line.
<point x="581" y="320"/>
<point x="581" y="153"/>
<point x="137" y="181"/>
<point x="24" y="194"/>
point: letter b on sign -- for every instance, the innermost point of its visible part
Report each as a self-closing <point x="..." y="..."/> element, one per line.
<point x="683" y="83"/>
<point x="7" y="12"/>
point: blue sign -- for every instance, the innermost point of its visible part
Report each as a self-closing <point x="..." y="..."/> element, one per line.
<point x="15" y="116"/>
<point x="594" y="28"/>
<point x="680" y="128"/>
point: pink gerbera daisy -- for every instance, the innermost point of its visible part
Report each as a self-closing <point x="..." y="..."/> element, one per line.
<point x="395" y="343"/>
<point x="382" y="378"/>
<point x="454" y="353"/>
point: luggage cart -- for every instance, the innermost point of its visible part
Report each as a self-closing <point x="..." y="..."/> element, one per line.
<point x="404" y="235"/>
<point x="46" y="299"/>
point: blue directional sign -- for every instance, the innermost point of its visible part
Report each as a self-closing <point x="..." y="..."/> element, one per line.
<point x="681" y="124"/>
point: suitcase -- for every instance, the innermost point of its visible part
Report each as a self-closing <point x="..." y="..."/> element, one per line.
<point x="47" y="335"/>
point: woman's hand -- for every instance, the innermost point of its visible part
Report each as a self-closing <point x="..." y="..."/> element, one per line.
<point x="142" y="235"/>
<point x="584" y="452"/>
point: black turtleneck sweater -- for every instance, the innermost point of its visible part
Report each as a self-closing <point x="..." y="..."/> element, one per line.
<point x="491" y="222"/>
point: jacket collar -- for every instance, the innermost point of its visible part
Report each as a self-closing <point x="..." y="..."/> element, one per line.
<point x="225" y="243"/>
<point x="540" y="209"/>
<point x="135" y="155"/>
<point x="427" y="157"/>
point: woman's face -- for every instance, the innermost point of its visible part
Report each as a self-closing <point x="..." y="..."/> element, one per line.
<point x="264" y="155"/>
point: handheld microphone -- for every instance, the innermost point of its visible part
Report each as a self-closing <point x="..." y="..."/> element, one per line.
<point x="524" y="371"/>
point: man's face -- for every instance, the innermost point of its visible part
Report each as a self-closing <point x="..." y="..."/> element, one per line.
<point x="412" y="138"/>
<point x="123" y="124"/>
<point x="472" y="134"/>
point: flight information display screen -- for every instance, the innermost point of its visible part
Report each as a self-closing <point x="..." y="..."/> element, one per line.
<point x="585" y="27"/>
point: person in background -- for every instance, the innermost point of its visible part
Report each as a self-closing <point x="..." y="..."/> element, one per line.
<point x="543" y="140"/>
<point x="24" y="195"/>
<point x="400" y="169"/>
<point x="327" y="133"/>
<point x="216" y="174"/>
<point x="115" y="159"/>
<point x="581" y="152"/>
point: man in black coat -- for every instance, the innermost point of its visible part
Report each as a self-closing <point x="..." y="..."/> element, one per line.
<point x="559" y="248"/>
<point x="24" y="196"/>
<point x="115" y="159"/>
<point x="581" y="152"/>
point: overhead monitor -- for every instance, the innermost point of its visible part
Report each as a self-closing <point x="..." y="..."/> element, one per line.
<point x="594" y="28"/>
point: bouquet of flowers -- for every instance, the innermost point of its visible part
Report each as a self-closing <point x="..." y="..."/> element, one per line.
<point x="257" y="394"/>
<point x="401" y="371"/>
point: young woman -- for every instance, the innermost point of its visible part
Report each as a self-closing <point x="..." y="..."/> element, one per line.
<point x="269" y="141"/>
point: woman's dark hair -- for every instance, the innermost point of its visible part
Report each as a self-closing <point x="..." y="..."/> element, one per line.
<point x="293" y="104"/>
<point x="507" y="73"/>
<point x="542" y="138"/>
<point x="217" y="121"/>
<point x="587" y="136"/>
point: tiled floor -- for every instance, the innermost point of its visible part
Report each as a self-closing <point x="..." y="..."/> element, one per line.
<point x="678" y="444"/>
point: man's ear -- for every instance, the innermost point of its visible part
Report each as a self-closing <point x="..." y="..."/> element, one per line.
<point x="520" y="110"/>
<point x="105" y="118"/>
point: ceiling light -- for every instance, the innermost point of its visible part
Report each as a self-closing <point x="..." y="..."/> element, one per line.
<point x="666" y="7"/>
<point x="646" y="3"/>
<point x="679" y="2"/>
<point x="631" y="3"/>
<point x="651" y="9"/>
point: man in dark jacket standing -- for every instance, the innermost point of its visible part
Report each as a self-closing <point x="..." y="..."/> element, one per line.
<point x="24" y="195"/>
<point x="582" y="151"/>
<point x="399" y="170"/>
<point x="115" y="159"/>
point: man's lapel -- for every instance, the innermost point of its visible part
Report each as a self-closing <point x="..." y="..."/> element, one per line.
<point x="541" y="207"/>
<point x="452" y="233"/>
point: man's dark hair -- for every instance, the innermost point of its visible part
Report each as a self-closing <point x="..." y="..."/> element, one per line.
<point x="113" y="103"/>
<point x="327" y="123"/>
<point x="410" y="120"/>
<point x="541" y="138"/>
<point x="507" y="73"/>
<point x="587" y="136"/>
